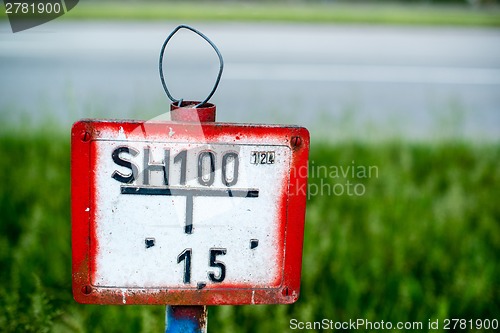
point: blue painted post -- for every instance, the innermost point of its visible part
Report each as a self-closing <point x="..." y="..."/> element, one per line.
<point x="186" y="319"/>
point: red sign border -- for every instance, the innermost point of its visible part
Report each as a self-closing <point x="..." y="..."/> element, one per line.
<point x="85" y="131"/>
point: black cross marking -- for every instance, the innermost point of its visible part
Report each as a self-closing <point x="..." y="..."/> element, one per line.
<point x="190" y="193"/>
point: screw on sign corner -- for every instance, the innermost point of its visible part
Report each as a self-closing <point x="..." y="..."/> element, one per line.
<point x="85" y="136"/>
<point x="296" y="141"/>
<point x="86" y="290"/>
<point x="286" y="291"/>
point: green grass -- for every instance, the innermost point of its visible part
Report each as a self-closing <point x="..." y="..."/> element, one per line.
<point x="292" y="12"/>
<point x="422" y="242"/>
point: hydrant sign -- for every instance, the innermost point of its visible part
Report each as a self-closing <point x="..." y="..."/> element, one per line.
<point x="187" y="214"/>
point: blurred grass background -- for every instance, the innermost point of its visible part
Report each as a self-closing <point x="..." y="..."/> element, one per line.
<point x="410" y="12"/>
<point x="338" y="12"/>
<point x="421" y="243"/>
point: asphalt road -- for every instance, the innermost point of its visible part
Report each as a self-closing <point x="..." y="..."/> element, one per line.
<point x="339" y="81"/>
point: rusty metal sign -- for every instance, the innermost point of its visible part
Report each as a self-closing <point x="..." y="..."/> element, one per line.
<point x="187" y="214"/>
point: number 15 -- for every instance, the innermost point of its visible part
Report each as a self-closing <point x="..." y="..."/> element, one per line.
<point x="214" y="252"/>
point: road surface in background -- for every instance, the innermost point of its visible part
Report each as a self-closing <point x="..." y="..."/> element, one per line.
<point x="340" y="81"/>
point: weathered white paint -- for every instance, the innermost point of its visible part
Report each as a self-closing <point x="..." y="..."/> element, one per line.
<point x="124" y="221"/>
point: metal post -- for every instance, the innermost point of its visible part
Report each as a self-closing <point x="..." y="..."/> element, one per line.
<point x="188" y="318"/>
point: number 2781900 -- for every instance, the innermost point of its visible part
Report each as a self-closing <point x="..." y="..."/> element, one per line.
<point x="32" y="8"/>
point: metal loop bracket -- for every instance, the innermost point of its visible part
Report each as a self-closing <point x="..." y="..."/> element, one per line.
<point x="221" y="67"/>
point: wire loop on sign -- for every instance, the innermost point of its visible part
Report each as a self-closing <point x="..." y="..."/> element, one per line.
<point x="221" y="67"/>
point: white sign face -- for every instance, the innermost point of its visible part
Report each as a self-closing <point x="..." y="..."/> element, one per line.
<point x="180" y="215"/>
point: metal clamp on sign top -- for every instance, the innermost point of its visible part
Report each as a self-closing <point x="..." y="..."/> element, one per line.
<point x="221" y="67"/>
